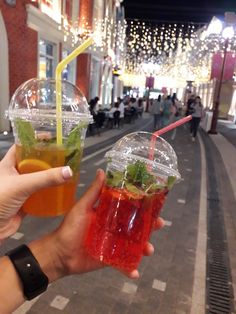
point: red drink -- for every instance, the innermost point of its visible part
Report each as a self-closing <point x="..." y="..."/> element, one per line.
<point x="131" y="200"/>
<point x="121" y="226"/>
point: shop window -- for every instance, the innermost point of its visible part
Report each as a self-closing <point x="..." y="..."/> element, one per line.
<point x="69" y="71"/>
<point x="46" y="59"/>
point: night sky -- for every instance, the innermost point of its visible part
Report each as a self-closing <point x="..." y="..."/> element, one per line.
<point x="177" y="11"/>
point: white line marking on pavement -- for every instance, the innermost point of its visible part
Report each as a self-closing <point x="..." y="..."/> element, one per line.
<point x="129" y="288"/>
<point x="159" y="285"/>
<point x="185" y="159"/>
<point x="17" y="236"/>
<point x="188" y="169"/>
<point x="199" y="282"/>
<point x="100" y="162"/>
<point x="96" y="153"/>
<point x="26" y="306"/>
<point x="168" y="223"/>
<point x="181" y="201"/>
<point x="83" y="171"/>
<point x="81" y="185"/>
<point x="59" y="302"/>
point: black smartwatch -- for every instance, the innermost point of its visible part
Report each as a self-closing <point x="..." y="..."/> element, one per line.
<point x="33" y="279"/>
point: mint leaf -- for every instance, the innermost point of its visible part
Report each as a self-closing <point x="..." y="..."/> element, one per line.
<point x="155" y="187"/>
<point x="138" y="180"/>
<point x="138" y="174"/>
<point x="74" y="148"/>
<point x="115" y="179"/>
<point x="74" y="137"/>
<point x="73" y="160"/>
<point x="132" y="188"/>
<point x="171" y="181"/>
<point x="25" y="133"/>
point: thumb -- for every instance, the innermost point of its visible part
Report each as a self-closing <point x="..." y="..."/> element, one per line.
<point x="31" y="182"/>
<point x="90" y="197"/>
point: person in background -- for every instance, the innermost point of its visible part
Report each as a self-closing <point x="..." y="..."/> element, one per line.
<point x="189" y="103"/>
<point x="111" y="116"/>
<point x="116" y="116"/>
<point x="166" y="105"/>
<point x="156" y="111"/>
<point x="140" y="107"/>
<point x="92" y="109"/>
<point x="176" y="114"/>
<point x="99" y="118"/>
<point x="96" y="100"/>
<point x="197" y="111"/>
<point x="122" y="110"/>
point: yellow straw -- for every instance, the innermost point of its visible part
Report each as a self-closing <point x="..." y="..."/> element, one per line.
<point x="59" y="70"/>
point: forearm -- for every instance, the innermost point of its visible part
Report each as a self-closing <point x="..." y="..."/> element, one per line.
<point x="11" y="289"/>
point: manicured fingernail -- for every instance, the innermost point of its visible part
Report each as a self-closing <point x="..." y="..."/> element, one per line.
<point x="67" y="173"/>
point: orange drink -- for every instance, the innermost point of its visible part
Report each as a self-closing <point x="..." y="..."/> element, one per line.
<point x="51" y="201"/>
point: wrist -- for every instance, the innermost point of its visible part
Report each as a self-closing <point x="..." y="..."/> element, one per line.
<point x="45" y="252"/>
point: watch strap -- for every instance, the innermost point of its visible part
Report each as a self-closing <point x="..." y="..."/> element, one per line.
<point x="33" y="279"/>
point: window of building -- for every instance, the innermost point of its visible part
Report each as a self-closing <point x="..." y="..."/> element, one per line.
<point x="69" y="71"/>
<point x="47" y="52"/>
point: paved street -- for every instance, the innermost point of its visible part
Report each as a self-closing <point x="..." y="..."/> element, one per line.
<point x="176" y="279"/>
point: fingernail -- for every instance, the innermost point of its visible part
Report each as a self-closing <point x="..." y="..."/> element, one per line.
<point x="67" y="173"/>
<point x="134" y="274"/>
<point x="98" y="172"/>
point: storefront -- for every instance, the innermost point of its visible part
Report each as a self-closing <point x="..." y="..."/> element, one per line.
<point x="37" y="34"/>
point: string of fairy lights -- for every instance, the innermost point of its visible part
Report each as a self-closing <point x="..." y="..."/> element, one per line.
<point x="179" y="50"/>
<point x="156" y="44"/>
<point x="110" y="37"/>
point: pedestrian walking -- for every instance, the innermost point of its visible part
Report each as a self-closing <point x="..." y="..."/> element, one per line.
<point x="167" y="104"/>
<point x="156" y="111"/>
<point x="196" y="110"/>
<point x="189" y="103"/>
<point x="176" y="114"/>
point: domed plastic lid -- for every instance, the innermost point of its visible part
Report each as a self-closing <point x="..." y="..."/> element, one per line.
<point x="158" y="154"/>
<point x="35" y="100"/>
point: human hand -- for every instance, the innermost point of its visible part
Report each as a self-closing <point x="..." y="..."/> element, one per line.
<point x="16" y="188"/>
<point x="65" y="246"/>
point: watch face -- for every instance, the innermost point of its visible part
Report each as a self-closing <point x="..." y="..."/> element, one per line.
<point x="12" y="3"/>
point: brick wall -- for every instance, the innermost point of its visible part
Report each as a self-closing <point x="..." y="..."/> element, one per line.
<point x="68" y="9"/>
<point x="86" y="11"/>
<point x="22" y="43"/>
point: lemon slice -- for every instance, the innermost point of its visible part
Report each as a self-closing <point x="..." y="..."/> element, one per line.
<point x="32" y="165"/>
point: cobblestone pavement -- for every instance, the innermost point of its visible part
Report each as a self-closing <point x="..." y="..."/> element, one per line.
<point x="168" y="277"/>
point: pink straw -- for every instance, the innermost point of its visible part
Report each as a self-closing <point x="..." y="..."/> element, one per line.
<point x="173" y="125"/>
<point x="164" y="130"/>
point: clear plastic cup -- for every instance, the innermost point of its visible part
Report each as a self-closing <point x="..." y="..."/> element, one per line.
<point x="32" y="112"/>
<point x="132" y="197"/>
